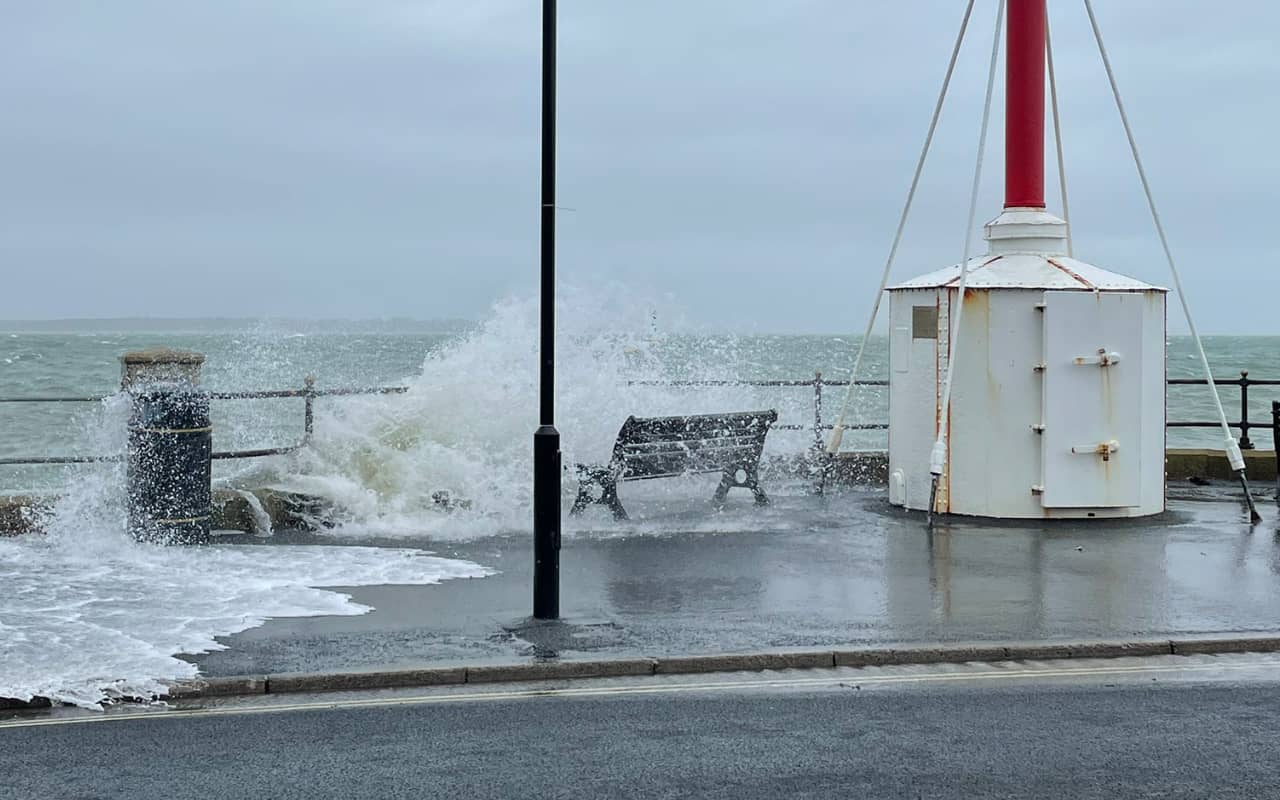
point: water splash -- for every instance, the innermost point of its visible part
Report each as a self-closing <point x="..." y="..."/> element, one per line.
<point x="465" y="426"/>
<point x="93" y="616"/>
<point x="90" y="616"/>
<point x="261" y="519"/>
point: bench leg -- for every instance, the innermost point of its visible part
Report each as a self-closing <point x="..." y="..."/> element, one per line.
<point x="610" y="498"/>
<point x="730" y="481"/>
<point x="722" y="491"/>
<point x="603" y="477"/>
<point x="583" y="499"/>
<point x="753" y="483"/>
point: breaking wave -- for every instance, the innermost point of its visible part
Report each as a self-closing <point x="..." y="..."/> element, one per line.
<point x="465" y="425"/>
<point x="90" y="616"/>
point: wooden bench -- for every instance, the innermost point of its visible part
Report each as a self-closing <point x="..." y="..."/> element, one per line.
<point x="666" y="447"/>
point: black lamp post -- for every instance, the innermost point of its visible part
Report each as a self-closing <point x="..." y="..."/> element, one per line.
<point x="546" y="440"/>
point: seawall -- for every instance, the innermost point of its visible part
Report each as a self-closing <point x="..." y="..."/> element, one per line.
<point x="233" y="511"/>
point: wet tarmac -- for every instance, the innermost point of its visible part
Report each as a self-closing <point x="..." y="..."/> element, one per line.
<point x="806" y="572"/>
<point x="1173" y="726"/>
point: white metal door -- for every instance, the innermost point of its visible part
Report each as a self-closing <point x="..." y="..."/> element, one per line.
<point x="1092" y="399"/>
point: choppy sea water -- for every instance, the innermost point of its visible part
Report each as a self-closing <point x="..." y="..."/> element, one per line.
<point x="91" y="615"/>
<point x="469" y="388"/>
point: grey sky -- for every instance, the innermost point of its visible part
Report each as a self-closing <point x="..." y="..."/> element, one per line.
<point x="369" y="158"/>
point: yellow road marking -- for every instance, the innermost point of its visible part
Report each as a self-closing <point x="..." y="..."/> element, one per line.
<point x="671" y="688"/>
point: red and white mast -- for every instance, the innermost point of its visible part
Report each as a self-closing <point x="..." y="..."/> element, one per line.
<point x="1025" y="226"/>
<point x="1024" y="105"/>
<point x="1047" y="401"/>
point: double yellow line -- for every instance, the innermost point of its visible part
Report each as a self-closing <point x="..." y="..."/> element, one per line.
<point x="830" y="679"/>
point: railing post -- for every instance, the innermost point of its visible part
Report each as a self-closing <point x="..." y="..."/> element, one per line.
<point x="817" y="410"/>
<point x="309" y="414"/>
<point x="818" y="465"/>
<point x="1245" y="443"/>
<point x="1275" y="439"/>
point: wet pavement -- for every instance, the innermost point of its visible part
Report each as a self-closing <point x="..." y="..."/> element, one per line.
<point x="806" y="572"/>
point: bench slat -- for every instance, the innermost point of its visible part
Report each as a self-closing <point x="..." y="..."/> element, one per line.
<point x="681" y="466"/>
<point x="721" y="455"/>
<point x="671" y="446"/>
<point x="640" y="448"/>
<point x="648" y="476"/>
<point x="703" y="426"/>
<point x="668" y="447"/>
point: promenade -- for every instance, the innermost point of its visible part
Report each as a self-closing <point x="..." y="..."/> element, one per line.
<point x="805" y="573"/>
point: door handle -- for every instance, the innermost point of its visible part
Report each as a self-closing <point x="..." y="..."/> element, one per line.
<point x="1102" y="359"/>
<point x="1103" y="449"/>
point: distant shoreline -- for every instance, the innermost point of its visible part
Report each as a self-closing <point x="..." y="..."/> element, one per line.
<point x="239" y="325"/>
<point x="393" y="325"/>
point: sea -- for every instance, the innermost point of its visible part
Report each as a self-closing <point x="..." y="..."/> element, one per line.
<point x="472" y="392"/>
<point x="90" y="617"/>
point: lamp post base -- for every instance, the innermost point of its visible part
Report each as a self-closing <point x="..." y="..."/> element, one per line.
<point x="546" y="523"/>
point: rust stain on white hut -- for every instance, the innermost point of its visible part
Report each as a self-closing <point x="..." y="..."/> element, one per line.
<point x="1058" y="408"/>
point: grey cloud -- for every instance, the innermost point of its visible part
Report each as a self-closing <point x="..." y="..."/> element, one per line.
<point x="379" y="158"/>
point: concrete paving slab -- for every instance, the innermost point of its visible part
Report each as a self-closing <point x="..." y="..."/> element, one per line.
<point x="1245" y="644"/>
<point x="748" y="662"/>
<point x="295" y="682"/>
<point x="560" y="670"/>
<point x="229" y="686"/>
<point x="921" y="654"/>
<point x="805" y="574"/>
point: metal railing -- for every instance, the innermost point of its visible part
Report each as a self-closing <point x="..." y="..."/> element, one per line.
<point x="818" y="426"/>
<point x="1244" y="382"/>
<point x="816" y="383"/>
<point x="309" y="393"/>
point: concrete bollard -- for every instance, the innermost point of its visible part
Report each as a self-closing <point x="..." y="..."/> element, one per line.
<point x="170" y="466"/>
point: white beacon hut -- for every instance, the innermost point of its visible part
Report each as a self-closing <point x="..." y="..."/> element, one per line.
<point x="1058" y="397"/>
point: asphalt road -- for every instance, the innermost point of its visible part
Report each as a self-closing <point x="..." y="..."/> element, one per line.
<point x="1136" y="729"/>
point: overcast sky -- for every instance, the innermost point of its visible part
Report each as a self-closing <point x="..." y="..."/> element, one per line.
<point x="748" y="159"/>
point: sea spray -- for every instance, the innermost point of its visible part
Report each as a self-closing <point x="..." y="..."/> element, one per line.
<point x="258" y="514"/>
<point x="90" y="514"/>
<point x="90" y="616"/>
<point x="465" y="425"/>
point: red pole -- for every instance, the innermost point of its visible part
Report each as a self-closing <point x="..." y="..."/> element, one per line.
<point x="1024" y="105"/>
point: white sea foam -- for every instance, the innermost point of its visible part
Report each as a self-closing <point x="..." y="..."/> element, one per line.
<point x="89" y="616"/>
<point x="88" y="625"/>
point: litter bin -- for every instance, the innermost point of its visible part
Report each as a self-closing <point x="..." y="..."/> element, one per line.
<point x="170" y="465"/>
